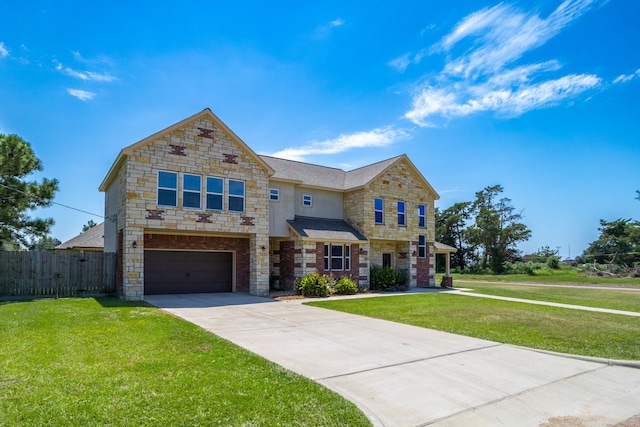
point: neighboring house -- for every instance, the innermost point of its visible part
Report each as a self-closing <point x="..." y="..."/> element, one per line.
<point x="91" y="240"/>
<point x="193" y="209"/>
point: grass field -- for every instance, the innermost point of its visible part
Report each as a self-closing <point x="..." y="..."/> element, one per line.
<point x="565" y="275"/>
<point x="622" y="299"/>
<point x="541" y="327"/>
<point x="101" y="362"/>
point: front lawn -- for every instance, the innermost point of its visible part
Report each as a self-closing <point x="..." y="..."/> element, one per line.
<point x="628" y="300"/>
<point x="101" y="362"/>
<point x="564" y="275"/>
<point x="548" y="328"/>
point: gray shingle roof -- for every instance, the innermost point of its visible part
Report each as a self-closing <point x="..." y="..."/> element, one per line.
<point x="326" y="229"/>
<point x="324" y="176"/>
<point x="93" y="238"/>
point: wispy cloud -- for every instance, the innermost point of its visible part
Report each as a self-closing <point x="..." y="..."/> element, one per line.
<point x="485" y="76"/>
<point x="379" y="137"/>
<point x="336" y="22"/>
<point x="82" y="95"/>
<point x="4" y="52"/>
<point x="86" y="75"/>
<point x="323" y="31"/>
<point x="624" y="78"/>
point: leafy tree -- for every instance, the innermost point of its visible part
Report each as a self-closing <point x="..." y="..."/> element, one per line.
<point x="89" y="225"/>
<point x="497" y="229"/>
<point x="44" y="244"/>
<point x="18" y="196"/>
<point x="451" y="226"/>
<point x="541" y="255"/>
<point x="619" y="243"/>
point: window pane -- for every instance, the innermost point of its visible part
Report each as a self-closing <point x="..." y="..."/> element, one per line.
<point x="421" y="210"/>
<point x="336" y="250"/>
<point x="168" y="180"/>
<point x="167" y="197"/>
<point x="400" y="207"/>
<point x="274" y="194"/>
<point x="191" y="182"/>
<point x="191" y="200"/>
<point x="326" y="250"/>
<point x="214" y="202"/>
<point x="236" y="188"/>
<point x="421" y="239"/>
<point x="421" y="222"/>
<point x="422" y="251"/>
<point x="400" y="219"/>
<point x="378" y="205"/>
<point x="379" y="217"/>
<point x="306" y="200"/>
<point x="236" y="204"/>
<point x="326" y="264"/>
<point x="214" y="185"/>
<point x="336" y="263"/>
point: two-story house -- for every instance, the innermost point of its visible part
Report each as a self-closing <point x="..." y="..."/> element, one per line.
<point x="193" y="209"/>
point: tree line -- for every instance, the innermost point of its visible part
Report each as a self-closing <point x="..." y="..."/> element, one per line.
<point x="487" y="230"/>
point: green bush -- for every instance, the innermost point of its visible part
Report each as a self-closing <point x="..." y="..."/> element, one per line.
<point x="316" y="285"/>
<point x="387" y="278"/>
<point x="346" y="286"/>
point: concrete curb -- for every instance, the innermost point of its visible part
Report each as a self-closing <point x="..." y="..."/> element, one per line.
<point x="611" y="362"/>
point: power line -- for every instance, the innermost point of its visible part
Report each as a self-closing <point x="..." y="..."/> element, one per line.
<point x="52" y="202"/>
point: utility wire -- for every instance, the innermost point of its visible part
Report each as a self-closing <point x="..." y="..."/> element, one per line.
<point x="53" y="203"/>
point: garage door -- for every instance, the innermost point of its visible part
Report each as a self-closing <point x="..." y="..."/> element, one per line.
<point x="178" y="272"/>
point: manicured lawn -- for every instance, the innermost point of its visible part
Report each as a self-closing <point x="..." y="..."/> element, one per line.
<point x="628" y="300"/>
<point x="548" y="328"/>
<point x="549" y="276"/>
<point x="101" y="362"/>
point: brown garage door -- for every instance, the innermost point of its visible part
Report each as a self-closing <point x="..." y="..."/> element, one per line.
<point x="178" y="272"/>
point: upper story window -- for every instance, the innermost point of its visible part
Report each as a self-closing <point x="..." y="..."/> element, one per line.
<point x="307" y="200"/>
<point x="378" y="207"/>
<point x="236" y="196"/>
<point x="191" y="191"/>
<point x="274" y="194"/>
<point x="215" y="193"/>
<point x="337" y="257"/>
<point x="402" y="217"/>
<point x="167" y="189"/>
<point x="421" y="217"/>
<point x="422" y="246"/>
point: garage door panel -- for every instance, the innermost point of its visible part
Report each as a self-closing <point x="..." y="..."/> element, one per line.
<point x="171" y="272"/>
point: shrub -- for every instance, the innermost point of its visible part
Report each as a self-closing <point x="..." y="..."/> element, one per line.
<point x="346" y="286"/>
<point x="388" y="279"/>
<point x="553" y="262"/>
<point x="313" y="285"/>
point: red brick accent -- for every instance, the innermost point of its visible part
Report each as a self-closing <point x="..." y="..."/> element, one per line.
<point x="247" y="220"/>
<point x="354" y="272"/>
<point x="205" y="218"/>
<point x="155" y="214"/>
<point x="230" y="158"/>
<point x="178" y="150"/>
<point x="287" y="272"/>
<point x="423" y="267"/>
<point x="208" y="243"/>
<point x="206" y="133"/>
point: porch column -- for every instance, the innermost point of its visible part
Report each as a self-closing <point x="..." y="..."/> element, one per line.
<point x="447" y="280"/>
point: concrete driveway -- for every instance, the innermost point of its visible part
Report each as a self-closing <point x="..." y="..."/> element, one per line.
<point x="402" y="375"/>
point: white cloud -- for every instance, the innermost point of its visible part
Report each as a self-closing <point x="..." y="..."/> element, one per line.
<point x="86" y="75"/>
<point x="82" y="95"/>
<point x="4" y="52"/>
<point x="336" y="22"/>
<point x="484" y="76"/>
<point x="624" y="78"/>
<point x="400" y="63"/>
<point x="379" y="137"/>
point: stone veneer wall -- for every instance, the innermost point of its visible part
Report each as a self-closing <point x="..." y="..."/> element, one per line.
<point x="200" y="148"/>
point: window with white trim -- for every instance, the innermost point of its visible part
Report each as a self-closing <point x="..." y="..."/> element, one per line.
<point x="236" y="195"/>
<point x="215" y="193"/>
<point x="378" y="209"/>
<point x="167" y="189"/>
<point x="422" y="223"/>
<point x="191" y="191"/>
<point x="337" y="257"/>
<point x="422" y="246"/>
<point x="402" y="217"/>
<point x="274" y="194"/>
<point x="307" y="200"/>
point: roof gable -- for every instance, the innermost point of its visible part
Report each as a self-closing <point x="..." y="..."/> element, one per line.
<point x="206" y="113"/>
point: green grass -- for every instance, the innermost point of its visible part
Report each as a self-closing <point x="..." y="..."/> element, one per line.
<point x="628" y="300"/>
<point x="102" y="362"/>
<point x="541" y="327"/>
<point x="566" y="276"/>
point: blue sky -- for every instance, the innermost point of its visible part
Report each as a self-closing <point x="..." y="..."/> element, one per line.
<point x="539" y="96"/>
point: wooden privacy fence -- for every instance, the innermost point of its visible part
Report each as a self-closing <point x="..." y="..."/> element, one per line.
<point x="64" y="274"/>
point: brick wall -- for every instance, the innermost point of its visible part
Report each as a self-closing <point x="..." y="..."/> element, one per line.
<point x="353" y="272"/>
<point x="208" y="243"/>
<point x="287" y="265"/>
